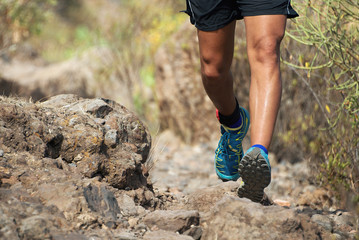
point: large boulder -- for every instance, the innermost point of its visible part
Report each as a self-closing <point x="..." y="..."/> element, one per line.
<point x="98" y="136"/>
<point x="67" y="164"/>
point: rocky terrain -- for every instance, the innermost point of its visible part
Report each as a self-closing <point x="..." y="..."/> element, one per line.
<point x="77" y="168"/>
<point x="77" y="163"/>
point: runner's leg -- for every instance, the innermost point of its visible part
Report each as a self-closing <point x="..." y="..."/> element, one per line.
<point x="264" y="34"/>
<point x="216" y="53"/>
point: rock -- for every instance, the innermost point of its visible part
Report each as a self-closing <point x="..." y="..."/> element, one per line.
<point x="165" y="235"/>
<point x="344" y="221"/>
<point x="337" y="236"/>
<point x="66" y="196"/>
<point x="98" y="107"/>
<point x="282" y="203"/>
<point x="141" y="227"/>
<point x="57" y="173"/>
<point x="65" y="126"/>
<point x="102" y="201"/>
<point x="132" y="222"/>
<point x="128" y="206"/>
<point x="204" y="199"/>
<point x="317" y="199"/>
<point x="126" y="236"/>
<point x="111" y="139"/>
<point x="28" y="219"/>
<point x="195" y="232"/>
<point x="240" y="217"/>
<point x="69" y="236"/>
<point x="323" y="221"/>
<point x="5" y="172"/>
<point x="35" y="227"/>
<point x="143" y="197"/>
<point x="175" y="220"/>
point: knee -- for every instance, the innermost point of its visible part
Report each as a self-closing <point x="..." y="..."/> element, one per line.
<point x="266" y="50"/>
<point x="213" y="73"/>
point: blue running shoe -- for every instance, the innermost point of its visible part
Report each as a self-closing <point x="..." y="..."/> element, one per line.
<point x="229" y="151"/>
<point x="255" y="171"/>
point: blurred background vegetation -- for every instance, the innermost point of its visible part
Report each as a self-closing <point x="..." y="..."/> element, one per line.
<point x="60" y="30"/>
<point x="320" y="54"/>
<point x="329" y="71"/>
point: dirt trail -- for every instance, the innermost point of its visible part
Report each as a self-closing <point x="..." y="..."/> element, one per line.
<point x="186" y="170"/>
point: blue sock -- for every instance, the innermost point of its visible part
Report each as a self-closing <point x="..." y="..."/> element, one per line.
<point x="261" y="147"/>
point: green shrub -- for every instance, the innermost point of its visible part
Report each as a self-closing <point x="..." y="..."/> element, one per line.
<point x="330" y="72"/>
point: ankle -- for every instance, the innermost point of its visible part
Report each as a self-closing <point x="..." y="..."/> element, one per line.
<point x="261" y="147"/>
<point x="232" y="121"/>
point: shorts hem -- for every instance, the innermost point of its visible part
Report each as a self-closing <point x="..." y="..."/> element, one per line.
<point x="291" y="14"/>
<point x="214" y="28"/>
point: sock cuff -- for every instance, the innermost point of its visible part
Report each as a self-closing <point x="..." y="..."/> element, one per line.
<point x="231" y="119"/>
<point x="261" y="147"/>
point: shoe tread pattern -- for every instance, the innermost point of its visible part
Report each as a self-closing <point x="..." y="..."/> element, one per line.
<point x="255" y="174"/>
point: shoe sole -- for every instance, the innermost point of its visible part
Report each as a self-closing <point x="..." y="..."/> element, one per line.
<point x="255" y="174"/>
<point x="225" y="178"/>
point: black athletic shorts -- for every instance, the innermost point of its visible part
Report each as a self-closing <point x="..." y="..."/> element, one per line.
<point x="210" y="15"/>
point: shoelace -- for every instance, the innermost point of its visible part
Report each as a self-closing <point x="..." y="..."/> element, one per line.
<point x="233" y="148"/>
<point x="226" y="136"/>
<point x="224" y="143"/>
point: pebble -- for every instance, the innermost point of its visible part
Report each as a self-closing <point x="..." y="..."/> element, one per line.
<point x="282" y="203"/>
<point x="100" y="121"/>
<point x="1" y="153"/>
<point x="111" y="138"/>
<point x="141" y="227"/>
<point x="337" y="236"/>
<point x="72" y="165"/>
<point x="132" y="222"/>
